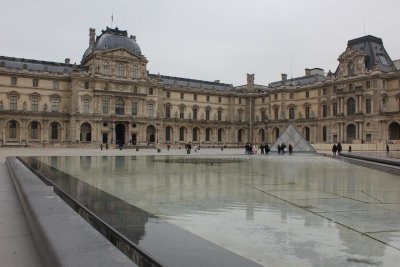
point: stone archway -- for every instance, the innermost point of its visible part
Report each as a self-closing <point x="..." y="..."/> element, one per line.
<point x="151" y="134"/>
<point x="394" y="131"/>
<point x="351" y="133"/>
<point x="120" y="130"/>
<point x="86" y="132"/>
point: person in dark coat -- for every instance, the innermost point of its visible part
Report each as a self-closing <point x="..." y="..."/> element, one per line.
<point x="339" y="148"/>
<point x="334" y="149"/>
<point x="290" y="149"/>
<point x="267" y="149"/>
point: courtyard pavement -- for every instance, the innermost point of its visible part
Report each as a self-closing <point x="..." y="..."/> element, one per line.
<point x="17" y="248"/>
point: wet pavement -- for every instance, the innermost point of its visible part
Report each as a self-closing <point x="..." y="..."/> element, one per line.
<point x="275" y="210"/>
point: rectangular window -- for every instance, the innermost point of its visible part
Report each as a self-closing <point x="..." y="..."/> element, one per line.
<point x="54" y="104"/>
<point x="195" y="97"/>
<point x="307" y="111"/>
<point x="368" y="84"/>
<point x="291" y="113"/>
<point x="219" y="99"/>
<point x="307" y="94"/>
<point x="56" y="85"/>
<point x="334" y="89"/>
<point x="106" y="106"/>
<point x="291" y="95"/>
<point x="35" y="82"/>
<point x="208" y="98"/>
<point x="85" y="105"/>
<point x="86" y="85"/>
<point x="168" y="111"/>
<point x="181" y="112"/>
<point x="120" y="70"/>
<point x="182" y="96"/>
<point x="334" y="109"/>
<point x="195" y="113"/>
<point x="324" y="91"/>
<point x="106" y="69"/>
<point x="276" y="113"/>
<point x="368" y="105"/>
<point x="134" y="108"/>
<point x="324" y="111"/>
<point x="150" y="110"/>
<point x="150" y="91"/>
<point x="263" y="100"/>
<point x="207" y="114"/>
<point x="219" y="114"/>
<point x="13" y="102"/>
<point x="263" y="117"/>
<point x="240" y="115"/>
<point x="168" y="94"/>
<point x="276" y="96"/>
<point x="368" y="137"/>
<point x="13" y="80"/>
<point x="35" y="104"/>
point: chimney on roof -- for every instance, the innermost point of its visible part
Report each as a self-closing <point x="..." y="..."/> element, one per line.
<point x="308" y="72"/>
<point x="67" y="60"/>
<point x="133" y="37"/>
<point x="92" y="36"/>
<point x="216" y="81"/>
<point x="284" y="77"/>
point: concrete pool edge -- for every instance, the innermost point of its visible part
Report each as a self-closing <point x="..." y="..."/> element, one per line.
<point x="62" y="237"/>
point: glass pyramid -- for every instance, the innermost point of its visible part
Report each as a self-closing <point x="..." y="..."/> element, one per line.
<point x="291" y="136"/>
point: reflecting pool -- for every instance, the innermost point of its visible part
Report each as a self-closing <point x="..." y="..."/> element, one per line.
<point x="299" y="210"/>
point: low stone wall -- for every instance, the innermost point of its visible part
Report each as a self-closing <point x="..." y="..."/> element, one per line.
<point x="62" y="237"/>
<point x="358" y="147"/>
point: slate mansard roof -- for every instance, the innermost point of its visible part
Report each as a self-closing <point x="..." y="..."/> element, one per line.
<point x="375" y="51"/>
<point x="192" y="83"/>
<point x="36" y="65"/>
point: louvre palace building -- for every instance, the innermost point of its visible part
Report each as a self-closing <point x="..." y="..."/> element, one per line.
<point x="112" y="98"/>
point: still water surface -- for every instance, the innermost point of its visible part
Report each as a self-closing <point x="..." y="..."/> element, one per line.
<point x="299" y="210"/>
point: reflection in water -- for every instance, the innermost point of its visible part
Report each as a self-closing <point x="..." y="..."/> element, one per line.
<point x="276" y="210"/>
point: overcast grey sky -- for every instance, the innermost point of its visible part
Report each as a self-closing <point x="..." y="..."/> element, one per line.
<point x="208" y="39"/>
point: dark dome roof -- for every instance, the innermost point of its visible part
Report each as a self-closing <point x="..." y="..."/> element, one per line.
<point x="113" y="39"/>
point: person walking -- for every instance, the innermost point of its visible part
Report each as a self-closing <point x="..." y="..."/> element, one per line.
<point x="334" y="149"/>
<point x="339" y="148"/>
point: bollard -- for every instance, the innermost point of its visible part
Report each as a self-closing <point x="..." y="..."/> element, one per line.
<point x="137" y="149"/>
<point x="222" y="149"/>
<point x="158" y="150"/>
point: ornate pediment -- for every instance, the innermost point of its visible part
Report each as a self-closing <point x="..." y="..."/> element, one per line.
<point x="351" y="63"/>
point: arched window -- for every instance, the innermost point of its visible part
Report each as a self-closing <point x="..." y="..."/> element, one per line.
<point x="182" y="134"/>
<point x="306" y="132"/>
<point x="208" y="134"/>
<point x="324" y="134"/>
<point x="262" y="135"/>
<point x="54" y="128"/>
<point x="13" y="129"/>
<point x="351" y="106"/>
<point x="168" y="132"/>
<point x="220" y="134"/>
<point x="119" y="106"/>
<point x="351" y="133"/>
<point x="34" y="130"/>
<point x="195" y="134"/>
<point x="240" y="136"/>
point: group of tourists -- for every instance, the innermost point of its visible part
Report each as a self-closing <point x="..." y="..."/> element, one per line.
<point x="338" y="149"/>
<point x="250" y="149"/>
<point x="282" y="148"/>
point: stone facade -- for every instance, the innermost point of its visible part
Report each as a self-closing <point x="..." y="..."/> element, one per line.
<point x="111" y="98"/>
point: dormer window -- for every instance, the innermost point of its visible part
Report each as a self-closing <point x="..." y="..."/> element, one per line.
<point x="351" y="69"/>
<point x="120" y="70"/>
<point x="106" y="69"/>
